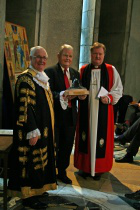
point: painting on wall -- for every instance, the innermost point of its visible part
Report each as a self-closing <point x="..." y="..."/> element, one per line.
<point x="16" y="51"/>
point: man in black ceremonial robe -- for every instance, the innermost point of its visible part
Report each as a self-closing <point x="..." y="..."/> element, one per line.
<point x="32" y="157"/>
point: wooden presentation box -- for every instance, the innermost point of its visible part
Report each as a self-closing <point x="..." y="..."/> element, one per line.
<point x="76" y="92"/>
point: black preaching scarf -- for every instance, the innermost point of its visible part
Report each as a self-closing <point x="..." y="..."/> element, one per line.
<point x="102" y="114"/>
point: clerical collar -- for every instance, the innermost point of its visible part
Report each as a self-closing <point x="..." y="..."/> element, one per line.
<point x="95" y="67"/>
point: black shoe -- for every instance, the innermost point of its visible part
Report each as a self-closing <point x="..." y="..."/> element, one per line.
<point x="134" y="196"/>
<point x="97" y="177"/>
<point x="64" y="179"/>
<point x="44" y="195"/>
<point x="34" y="203"/>
<point x="83" y="174"/>
<point x="125" y="159"/>
<point x="136" y="206"/>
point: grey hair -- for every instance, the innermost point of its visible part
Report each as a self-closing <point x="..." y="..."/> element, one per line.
<point x="34" y="49"/>
<point x="65" y="46"/>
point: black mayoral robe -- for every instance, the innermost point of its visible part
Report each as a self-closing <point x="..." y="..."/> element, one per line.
<point x="32" y="168"/>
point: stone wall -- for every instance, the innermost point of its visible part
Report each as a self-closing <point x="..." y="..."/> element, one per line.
<point x="27" y="14"/>
<point x="132" y="71"/>
<point x="61" y="24"/>
<point x="112" y="30"/>
<point x="49" y="23"/>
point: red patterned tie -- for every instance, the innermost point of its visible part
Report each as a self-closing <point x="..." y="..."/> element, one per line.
<point x="67" y="84"/>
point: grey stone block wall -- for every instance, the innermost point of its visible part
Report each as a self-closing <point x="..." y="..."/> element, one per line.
<point x="132" y="71"/>
<point x="112" y="30"/>
<point x="25" y="13"/>
<point x="61" y="24"/>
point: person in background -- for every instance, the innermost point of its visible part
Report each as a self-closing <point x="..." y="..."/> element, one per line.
<point x="95" y="130"/>
<point x="32" y="157"/>
<point x="120" y="109"/>
<point x="132" y="113"/>
<point x="132" y="135"/>
<point x="61" y="77"/>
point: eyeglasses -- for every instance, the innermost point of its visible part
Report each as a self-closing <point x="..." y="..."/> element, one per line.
<point x="40" y="57"/>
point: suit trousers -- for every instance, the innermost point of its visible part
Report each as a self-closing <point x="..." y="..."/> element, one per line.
<point x="65" y="139"/>
<point x="133" y="134"/>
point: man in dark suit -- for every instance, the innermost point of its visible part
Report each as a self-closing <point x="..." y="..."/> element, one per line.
<point x="65" y="108"/>
<point x="133" y="134"/>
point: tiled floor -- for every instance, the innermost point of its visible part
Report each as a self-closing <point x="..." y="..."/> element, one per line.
<point x="107" y="193"/>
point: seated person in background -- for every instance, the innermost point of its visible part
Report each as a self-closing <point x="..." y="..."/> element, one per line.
<point x="121" y="107"/>
<point x="132" y="114"/>
<point x="133" y="135"/>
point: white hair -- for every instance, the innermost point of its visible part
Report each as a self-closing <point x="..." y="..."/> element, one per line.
<point x="34" y="49"/>
<point x="65" y="46"/>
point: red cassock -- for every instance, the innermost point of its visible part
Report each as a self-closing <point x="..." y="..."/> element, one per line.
<point x="105" y="127"/>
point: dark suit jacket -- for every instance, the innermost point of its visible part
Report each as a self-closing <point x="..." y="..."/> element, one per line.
<point x="57" y="85"/>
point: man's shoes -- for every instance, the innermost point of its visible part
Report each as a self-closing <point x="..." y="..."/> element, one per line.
<point x="64" y="179"/>
<point x="97" y="177"/>
<point x="44" y="195"/>
<point x="125" y="159"/>
<point x="134" y="196"/>
<point x="34" y="203"/>
<point x="83" y="174"/>
<point x="136" y="206"/>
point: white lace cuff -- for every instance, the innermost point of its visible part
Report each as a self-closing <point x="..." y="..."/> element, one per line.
<point x="64" y="103"/>
<point x="33" y="133"/>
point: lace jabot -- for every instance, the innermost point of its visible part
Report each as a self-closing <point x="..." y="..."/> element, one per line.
<point x="41" y="79"/>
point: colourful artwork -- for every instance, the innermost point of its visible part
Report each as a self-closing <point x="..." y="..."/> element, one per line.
<point x="16" y="51"/>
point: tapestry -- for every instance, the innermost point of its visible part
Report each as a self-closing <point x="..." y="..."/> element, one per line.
<point x="16" y="51"/>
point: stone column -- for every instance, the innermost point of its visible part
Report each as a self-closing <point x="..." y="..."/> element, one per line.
<point x="132" y="68"/>
<point x="89" y="28"/>
<point x="2" y="24"/>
